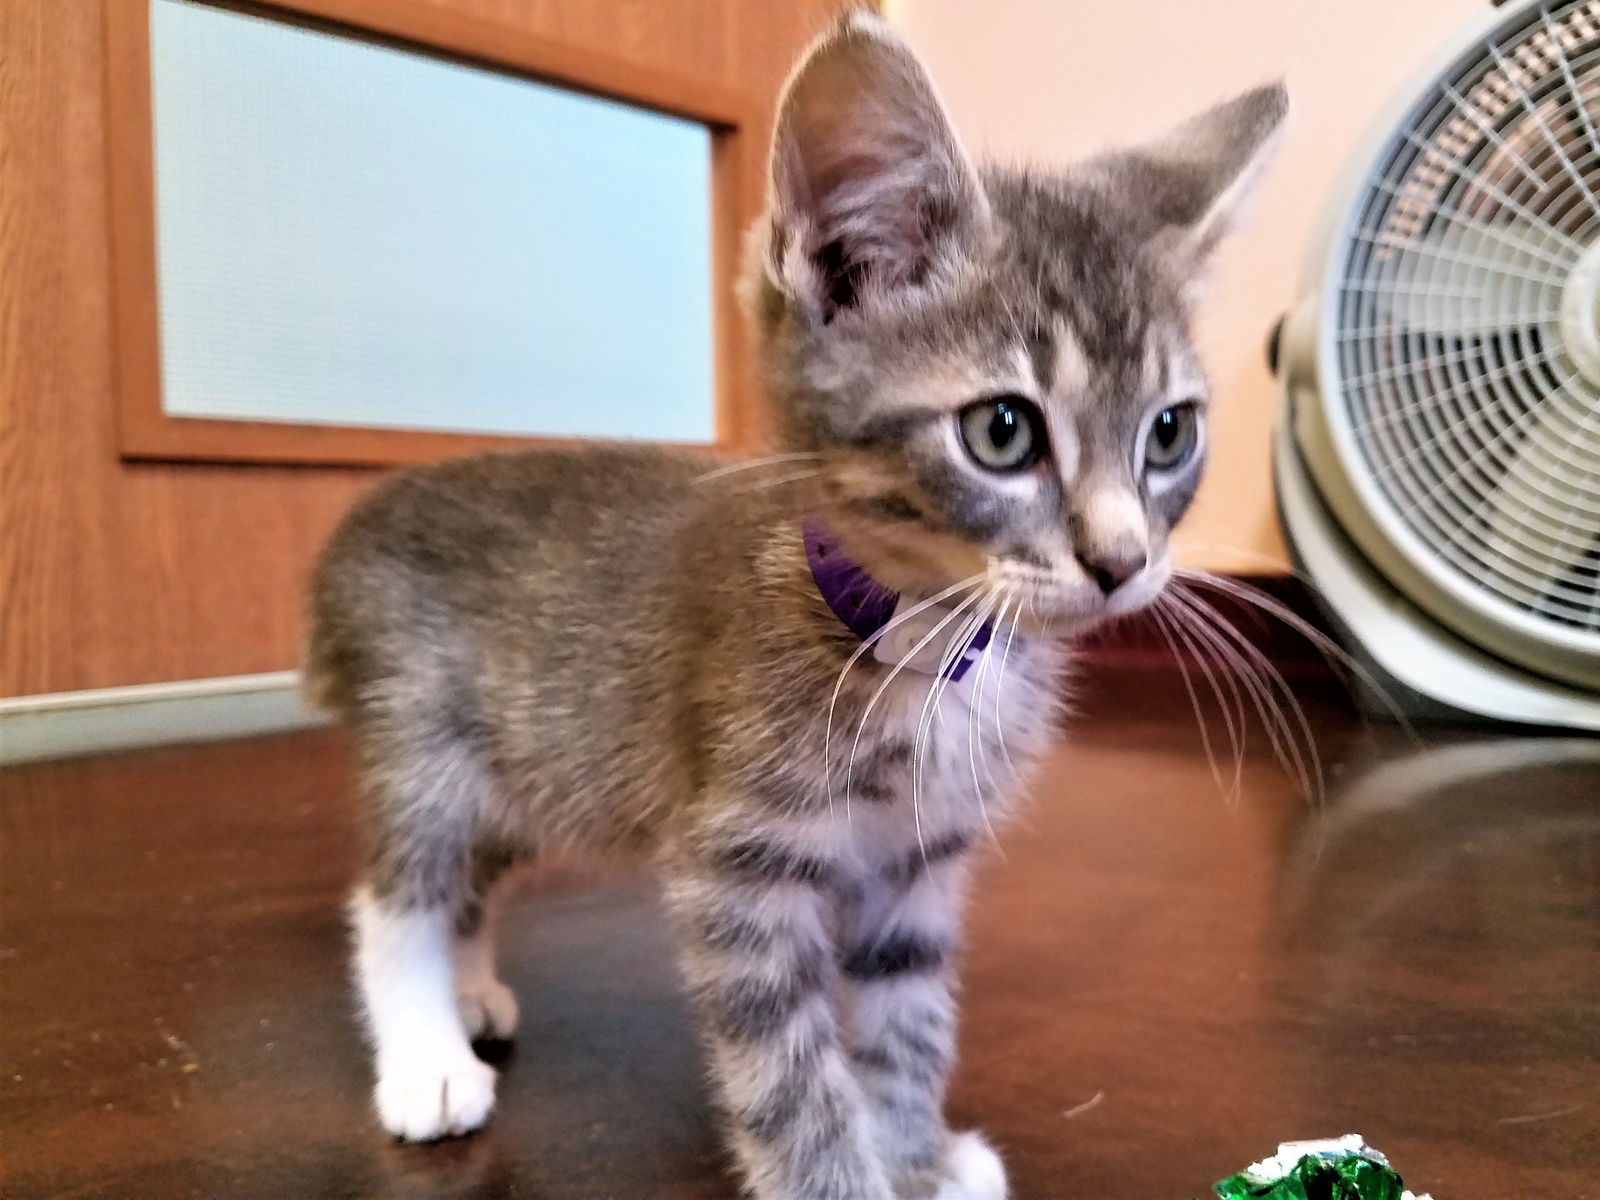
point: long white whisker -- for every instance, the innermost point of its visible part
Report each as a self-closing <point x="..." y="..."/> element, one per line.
<point x="1219" y="637"/>
<point x="769" y="460"/>
<point x="974" y="725"/>
<point x="1011" y="315"/>
<point x="764" y="484"/>
<point x="1330" y="649"/>
<point x="867" y="644"/>
<point x="1002" y="655"/>
<point x="953" y="651"/>
<point x="972" y="716"/>
<point x="877" y="695"/>
<point x="1158" y="615"/>
<point x="1022" y="597"/>
<point x="1233" y="718"/>
<point x="1274" y="686"/>
<point x="1000" y="684"/>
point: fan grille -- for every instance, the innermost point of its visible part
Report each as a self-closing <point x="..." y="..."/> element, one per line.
<point x="1468" y="318"/>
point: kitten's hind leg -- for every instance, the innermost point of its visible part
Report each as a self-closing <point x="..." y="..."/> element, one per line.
<point x="419" y="921"/>
<point x="430" y="1083"/>
<point x="488" y="1007"/>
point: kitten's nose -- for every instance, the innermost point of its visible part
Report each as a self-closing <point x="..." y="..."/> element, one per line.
<point x="1113" y="568"/>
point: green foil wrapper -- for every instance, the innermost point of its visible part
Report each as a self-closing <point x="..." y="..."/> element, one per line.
<point x="1348" y="1177"/>
<point x="1336" y="1169"/>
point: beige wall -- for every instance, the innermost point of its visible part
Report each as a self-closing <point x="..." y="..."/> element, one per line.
<point x="1046" y="80"/>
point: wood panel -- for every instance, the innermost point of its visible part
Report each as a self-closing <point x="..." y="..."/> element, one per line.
<point x="117" y="572"/>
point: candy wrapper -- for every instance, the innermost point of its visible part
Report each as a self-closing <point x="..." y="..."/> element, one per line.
<point x="1338" y="1169"/>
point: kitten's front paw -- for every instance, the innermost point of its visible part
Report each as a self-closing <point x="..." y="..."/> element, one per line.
<point x="422" y="1099"/>
<point x="488" y="1010"/>
<point x="972" y="1171"/>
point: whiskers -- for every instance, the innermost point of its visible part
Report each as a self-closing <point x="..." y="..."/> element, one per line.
<point x="1330" y="650"/>
<point x="1172" y="631"/>
<point x="877" y="695"/>
<point x="1242" y="679"/>
<point x="954" y="649"/>
<point x="1019" y="595"/>
<point x="966" y="585"/>
<point x="757" y="463"/>
<point x="1275" y="704"/>
<point x="1010" y="601"/>
<point x="804" y="465"/>
<point x="979" y="601"/>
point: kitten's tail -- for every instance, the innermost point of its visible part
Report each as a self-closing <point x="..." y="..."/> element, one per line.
<point x="324" y="672"/>
<point x="330" y="666"/>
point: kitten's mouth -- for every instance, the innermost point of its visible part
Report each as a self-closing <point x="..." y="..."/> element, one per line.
<point x="1050" y="602"/>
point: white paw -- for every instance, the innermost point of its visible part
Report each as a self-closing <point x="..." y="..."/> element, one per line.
<point x="422" y="1099"/>
<point x="488" y="1010"/>
<point x="972" y="1171"/>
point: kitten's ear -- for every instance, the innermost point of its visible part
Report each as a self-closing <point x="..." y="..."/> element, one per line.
<point x="871" y="192"/>
<point x="1188" y="185"/>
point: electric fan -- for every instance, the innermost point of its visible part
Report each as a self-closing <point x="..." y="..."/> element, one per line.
<point x="1438" y="467"/>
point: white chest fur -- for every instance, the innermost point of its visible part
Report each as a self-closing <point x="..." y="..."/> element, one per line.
<point x="947" y="750"/>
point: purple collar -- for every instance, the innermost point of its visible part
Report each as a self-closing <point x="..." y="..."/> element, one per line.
<point x="865" y="606"/>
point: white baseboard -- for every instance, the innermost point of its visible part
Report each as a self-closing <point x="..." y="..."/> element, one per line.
<point x="151" y="714"/>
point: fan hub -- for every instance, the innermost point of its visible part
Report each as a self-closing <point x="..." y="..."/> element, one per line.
<point x="1580" y="313"/>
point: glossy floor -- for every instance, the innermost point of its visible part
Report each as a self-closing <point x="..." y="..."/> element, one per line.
<point x="1160" y="986"/>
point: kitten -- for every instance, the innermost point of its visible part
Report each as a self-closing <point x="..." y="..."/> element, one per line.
<point x="993" y="417"/>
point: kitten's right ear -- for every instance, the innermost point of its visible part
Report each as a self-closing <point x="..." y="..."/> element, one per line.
<point x="871" y="192"/>
<point x="1184" y="189"/>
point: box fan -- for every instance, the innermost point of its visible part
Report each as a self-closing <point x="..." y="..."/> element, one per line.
<point x="1438" y="467"/>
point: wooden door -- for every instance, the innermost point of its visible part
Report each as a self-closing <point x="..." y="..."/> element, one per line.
<point x="117" y="571"/>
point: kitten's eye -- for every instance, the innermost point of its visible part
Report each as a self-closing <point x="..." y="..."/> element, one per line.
<point x="1004" y="434"/>
<point x="1173" y="437"/>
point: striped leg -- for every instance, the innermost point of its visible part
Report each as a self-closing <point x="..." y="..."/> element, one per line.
<point x="896" y="958"/>
<point x="758" y="958"/>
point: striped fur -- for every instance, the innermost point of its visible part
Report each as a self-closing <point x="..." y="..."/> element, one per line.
<point x="623" y="650"/>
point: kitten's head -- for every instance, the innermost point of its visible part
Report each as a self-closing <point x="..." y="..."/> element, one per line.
<point x="994" y="366"/>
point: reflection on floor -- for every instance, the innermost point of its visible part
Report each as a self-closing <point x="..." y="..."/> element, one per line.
<point x="1161" y="985"/>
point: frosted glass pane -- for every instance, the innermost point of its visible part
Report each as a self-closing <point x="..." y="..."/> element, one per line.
<point x="358" y="235"/>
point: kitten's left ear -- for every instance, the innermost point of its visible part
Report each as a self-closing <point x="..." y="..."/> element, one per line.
<point x="872" y="195"/>
<point x="1188" y="185"/>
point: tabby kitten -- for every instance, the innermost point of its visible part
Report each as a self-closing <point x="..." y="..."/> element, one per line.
<point x="803" y="686"/>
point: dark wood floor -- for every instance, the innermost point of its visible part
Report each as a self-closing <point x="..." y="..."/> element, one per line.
<point x="1159" y="987"/>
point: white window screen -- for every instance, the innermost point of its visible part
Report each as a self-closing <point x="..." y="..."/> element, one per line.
<point x="353" y="234"/>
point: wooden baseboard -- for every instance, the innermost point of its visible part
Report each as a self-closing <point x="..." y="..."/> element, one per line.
<point x="33" y="728"/>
